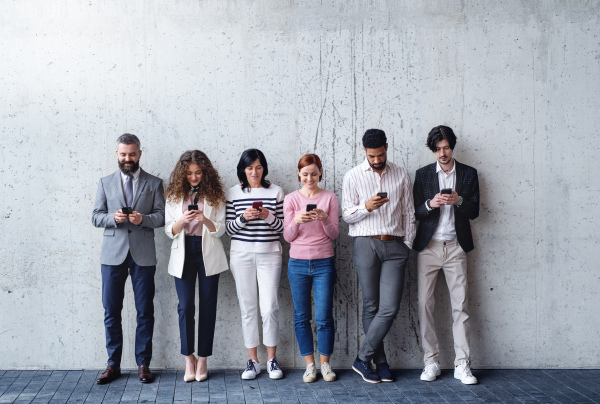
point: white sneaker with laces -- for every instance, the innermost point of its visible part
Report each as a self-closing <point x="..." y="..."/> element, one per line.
<point x="327" y="373"/>
<point x="273" y="369"/>
<point x="252" y="369"/>
<point x="430" y="372"/>
<point x="310" y="376"/>
<point x="463" y="373"/>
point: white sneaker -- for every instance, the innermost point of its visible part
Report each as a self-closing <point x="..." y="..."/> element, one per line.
<point x="463" y="373"/>
<point x="252" y="369"/>
<point x="273" y="369"/>
<point x="310" y="376"/>
<point x="327" y="373"/>
<point x="430" y="372"/>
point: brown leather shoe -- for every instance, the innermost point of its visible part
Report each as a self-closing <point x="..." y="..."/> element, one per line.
<point x="111" y="373"/>
<point x="146" y="376"/>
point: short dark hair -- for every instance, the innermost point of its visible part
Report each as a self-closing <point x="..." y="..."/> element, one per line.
<point x="374" y="139"/>
<point x="438" y="134"/>
<point x="128" y="138"/>
<point x="246" y="159"/>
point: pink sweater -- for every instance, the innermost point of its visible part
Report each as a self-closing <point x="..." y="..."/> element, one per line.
<point x="310" y="241"/>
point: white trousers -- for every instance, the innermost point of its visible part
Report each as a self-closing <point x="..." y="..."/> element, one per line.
<point x="249" y="271"/>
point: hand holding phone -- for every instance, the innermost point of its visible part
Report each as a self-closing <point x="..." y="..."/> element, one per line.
<point x="382" y="194"/>
<point x="310" y="207"/>
<point x="193" y="207"/>
<point x="128" y="210"/>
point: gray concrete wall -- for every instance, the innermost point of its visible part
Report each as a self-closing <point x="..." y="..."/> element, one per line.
<point x="518" y="81"/>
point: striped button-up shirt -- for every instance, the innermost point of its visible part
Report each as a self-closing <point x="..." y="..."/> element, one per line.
<point x="395" y="218"/>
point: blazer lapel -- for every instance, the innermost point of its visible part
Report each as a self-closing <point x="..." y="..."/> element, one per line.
<point x="436" y="181"/>
<point x="140" y="187"/>
<point x="119" y="187"/>
<point x="460" y="177"/>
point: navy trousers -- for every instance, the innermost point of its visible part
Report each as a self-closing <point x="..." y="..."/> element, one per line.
<point x="208" y="288"/>
<point x="113" y="292"/>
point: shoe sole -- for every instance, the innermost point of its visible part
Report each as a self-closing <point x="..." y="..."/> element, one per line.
<point x="435" y="377"/>
<point x="470" y="384"/>
<point x="309" y="379"/>
<point x="329" y="378"/>
<point x="387" y="380"/>
<point x="275" y="377"/>
<point x="364" y="378"/>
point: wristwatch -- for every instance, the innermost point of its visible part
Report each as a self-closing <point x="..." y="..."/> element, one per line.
<point x="243" y="219"/>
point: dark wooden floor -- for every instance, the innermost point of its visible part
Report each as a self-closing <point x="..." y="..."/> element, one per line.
<point x="496" y="386"/>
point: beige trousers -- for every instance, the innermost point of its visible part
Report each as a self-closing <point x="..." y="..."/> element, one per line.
<point x="452" y="259"/>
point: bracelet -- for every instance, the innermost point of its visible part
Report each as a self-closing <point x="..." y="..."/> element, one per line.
<point x="459" y="202"/>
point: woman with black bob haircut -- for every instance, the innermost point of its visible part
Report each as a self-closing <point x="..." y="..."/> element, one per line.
<point x="246" y="160"/>
<point x="255" y="222"/>
<point x="438" y="134"/>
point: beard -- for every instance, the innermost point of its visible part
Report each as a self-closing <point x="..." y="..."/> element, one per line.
<point x="379" y="166"/>
<point x="129" y="170"/>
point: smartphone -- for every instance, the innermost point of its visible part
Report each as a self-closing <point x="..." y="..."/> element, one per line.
<point x="193" y="207"/>
<point x="382" y="194"/>
<point x="128" y="210"/>
<point x="446" y="191"/>
<point x="257" y="204"/>
<point x="310" y="207"/>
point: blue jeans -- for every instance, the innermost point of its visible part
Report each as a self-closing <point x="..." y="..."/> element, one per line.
<point x="320" y="276"/>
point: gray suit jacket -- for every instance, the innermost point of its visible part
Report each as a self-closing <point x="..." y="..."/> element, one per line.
<point x="124" y="237"/>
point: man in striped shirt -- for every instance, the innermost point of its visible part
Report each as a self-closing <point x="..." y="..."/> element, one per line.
<point x="377" y="203"/>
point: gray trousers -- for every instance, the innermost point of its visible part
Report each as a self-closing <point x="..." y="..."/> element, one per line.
<point x="380" y="266"/>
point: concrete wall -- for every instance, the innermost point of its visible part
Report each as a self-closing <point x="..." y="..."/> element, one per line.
<point x="518" y="81"/>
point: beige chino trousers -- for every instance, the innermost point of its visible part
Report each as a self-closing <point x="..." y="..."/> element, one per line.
<point x="451" y="258"/>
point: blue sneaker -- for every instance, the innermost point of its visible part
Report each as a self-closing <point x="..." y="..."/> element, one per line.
<point x="383" y="371"/>
<point x="363" y="368"/>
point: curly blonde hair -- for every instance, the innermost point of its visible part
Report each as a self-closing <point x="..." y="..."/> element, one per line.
<point x="211" y="187"/>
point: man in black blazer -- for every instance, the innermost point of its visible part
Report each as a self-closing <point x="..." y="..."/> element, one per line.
<point x="446" y="195"/>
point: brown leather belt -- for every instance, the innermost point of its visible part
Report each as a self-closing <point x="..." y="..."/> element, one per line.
<point x="388" y="237"/>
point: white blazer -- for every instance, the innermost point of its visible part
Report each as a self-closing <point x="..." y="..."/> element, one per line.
<point x="213" y="252"/>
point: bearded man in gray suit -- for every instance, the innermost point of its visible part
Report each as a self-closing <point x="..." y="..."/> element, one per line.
<point x="129" y="205"/>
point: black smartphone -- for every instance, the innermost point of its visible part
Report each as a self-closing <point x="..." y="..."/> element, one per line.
<point x="193" y="207"/>
<point x="127" y="210"/>
<point x="446" y="191"/>
<point x="310" y="207"/>
<point x="382" y="194"/>
<point x="257" y="204"/>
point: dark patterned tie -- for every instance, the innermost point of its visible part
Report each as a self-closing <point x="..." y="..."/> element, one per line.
<point x="196" y="190"/>
<point x="129" y="191"/>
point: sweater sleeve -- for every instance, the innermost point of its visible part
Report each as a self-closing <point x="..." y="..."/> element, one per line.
<point x="290" y="228"/>
<point x="233" y="224"/>
<point x="331" y="225"/>
<point x="276" y="220"/>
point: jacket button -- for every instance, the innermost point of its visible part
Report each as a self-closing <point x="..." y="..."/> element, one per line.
<point x="128" y="231"/>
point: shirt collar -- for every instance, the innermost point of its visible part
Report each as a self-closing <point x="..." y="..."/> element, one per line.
<point x="439" y="168"/>
<point x="135" y="175"/>
<point x="367" y="167"/>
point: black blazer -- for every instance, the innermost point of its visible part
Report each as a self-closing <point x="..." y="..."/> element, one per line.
<point x="427" y="185"/>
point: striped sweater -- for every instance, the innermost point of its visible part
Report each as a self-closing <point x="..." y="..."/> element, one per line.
<point x="258" y="235"/>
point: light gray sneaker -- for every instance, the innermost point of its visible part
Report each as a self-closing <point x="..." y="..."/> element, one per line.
<point x="327" y="373"/>
<point x="430" y="372"/>
<point x="463" y="373"/>
<point x="310" y="376"/>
